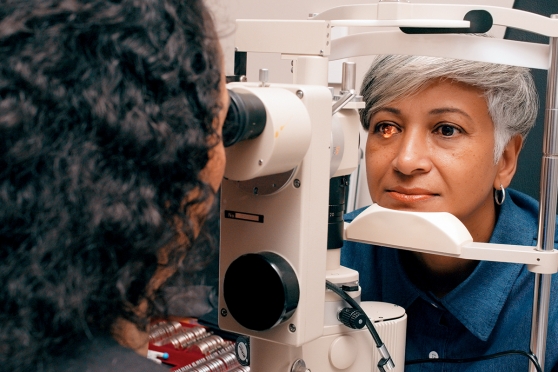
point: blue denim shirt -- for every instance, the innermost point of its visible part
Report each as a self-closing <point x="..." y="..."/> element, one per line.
<point x="488" y="312"/>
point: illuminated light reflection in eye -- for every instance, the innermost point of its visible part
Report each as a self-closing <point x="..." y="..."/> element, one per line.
<point x="388" y="130"/>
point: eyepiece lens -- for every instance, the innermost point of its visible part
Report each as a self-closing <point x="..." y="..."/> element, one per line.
<point x="245" y="120"/>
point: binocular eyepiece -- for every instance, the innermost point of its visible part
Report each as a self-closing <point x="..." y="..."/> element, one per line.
<point x="245" y="120"/>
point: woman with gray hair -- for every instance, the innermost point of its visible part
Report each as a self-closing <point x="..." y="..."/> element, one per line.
<point x="444" y="136"/>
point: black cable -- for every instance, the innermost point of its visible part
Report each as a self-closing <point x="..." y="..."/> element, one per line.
<point x="355" y="305"/>
<point x="386" y="359"/>
<point x="531" y="357"/>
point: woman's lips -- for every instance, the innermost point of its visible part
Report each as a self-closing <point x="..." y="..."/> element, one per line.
<point x="411" y="195"/>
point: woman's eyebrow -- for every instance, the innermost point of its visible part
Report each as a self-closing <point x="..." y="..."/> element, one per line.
<point x="389" y="109"/>
<point x="445" y="110"/>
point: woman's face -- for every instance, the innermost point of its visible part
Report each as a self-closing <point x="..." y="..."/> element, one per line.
<point x="434" y="152"/>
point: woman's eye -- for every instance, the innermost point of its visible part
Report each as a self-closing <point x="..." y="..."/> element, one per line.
<point x="447" y="130"/>
<point x="386" y="129"/>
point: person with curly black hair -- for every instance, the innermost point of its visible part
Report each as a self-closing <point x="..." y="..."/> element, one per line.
<point x="110" y="156"/>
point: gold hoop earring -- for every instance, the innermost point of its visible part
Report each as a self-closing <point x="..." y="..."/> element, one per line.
<point x="500" y="199"/>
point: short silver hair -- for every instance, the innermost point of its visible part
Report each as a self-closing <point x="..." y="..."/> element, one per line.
<point x="510" y="92"/>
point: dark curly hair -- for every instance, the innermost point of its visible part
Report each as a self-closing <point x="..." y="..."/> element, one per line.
<point x="106" y="111"/>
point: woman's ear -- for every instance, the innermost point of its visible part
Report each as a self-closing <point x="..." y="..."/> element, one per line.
<point x="508" y="162"/>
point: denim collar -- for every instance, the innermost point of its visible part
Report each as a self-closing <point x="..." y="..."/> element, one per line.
<point x="477" y="301"/>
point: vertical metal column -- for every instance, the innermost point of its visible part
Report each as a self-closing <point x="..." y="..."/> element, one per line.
<point x="547" y="209"/>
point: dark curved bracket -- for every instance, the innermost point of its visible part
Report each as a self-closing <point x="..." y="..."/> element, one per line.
<point x="481" y="22"/>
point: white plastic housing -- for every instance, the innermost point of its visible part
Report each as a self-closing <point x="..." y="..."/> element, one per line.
<point x="344" y="142"/>
<point x="421" y="231"/>
<point x="440" y="233"/>
<point x="283" y="143"/>
<point x="340" y="348"/>
<point x="283" y="36"/>
<point x="291" y="223"/>
<point x="433" y="15"/>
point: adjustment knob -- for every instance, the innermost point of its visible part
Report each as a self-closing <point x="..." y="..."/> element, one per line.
<point x="261" y="290"/>
<point x="242" y="350"/>
<point x="352" y="318"/>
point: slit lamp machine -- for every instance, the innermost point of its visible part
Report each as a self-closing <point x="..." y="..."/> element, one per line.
<point x="290" y="151"/>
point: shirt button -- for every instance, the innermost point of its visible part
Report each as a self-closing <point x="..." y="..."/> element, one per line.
<point x="433" y="355"/>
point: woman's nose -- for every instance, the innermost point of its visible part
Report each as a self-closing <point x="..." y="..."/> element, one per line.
<point x="413" y="156"/>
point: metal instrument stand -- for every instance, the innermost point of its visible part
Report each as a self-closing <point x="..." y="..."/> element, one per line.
<point x="547" y="208"/>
